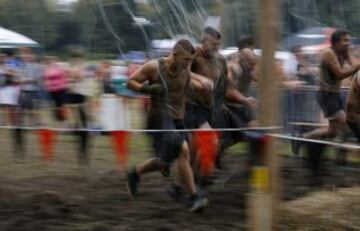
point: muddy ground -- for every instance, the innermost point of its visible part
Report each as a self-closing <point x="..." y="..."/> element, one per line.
<point x="61" y="196"/>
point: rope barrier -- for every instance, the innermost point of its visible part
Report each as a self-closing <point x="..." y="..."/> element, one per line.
<point x="331" y="143"/>
<point x="144" y="130"/>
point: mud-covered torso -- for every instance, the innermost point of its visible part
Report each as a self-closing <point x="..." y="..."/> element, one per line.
<point x="328" y="80"/>
<point x="172" y="103"/>
<point x="213" y="68"/>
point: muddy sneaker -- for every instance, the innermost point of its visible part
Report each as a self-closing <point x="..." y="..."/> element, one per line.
<point x="198" y="204"/>
<point x="132" y="181"/>
<point x="175" y="192"/>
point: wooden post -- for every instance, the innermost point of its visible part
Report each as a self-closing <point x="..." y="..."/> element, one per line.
<point x="219" y="11"/>
<point x="262" y="203"/>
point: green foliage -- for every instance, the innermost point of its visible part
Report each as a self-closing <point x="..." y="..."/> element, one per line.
<point x="30" y="18"/>
<point x="94" y="27"/>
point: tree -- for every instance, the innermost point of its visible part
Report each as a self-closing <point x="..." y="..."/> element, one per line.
<point x="103" y="22"/>
<point x="31" y="18"/>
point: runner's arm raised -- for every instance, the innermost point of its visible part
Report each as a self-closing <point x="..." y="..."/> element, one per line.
<point x="330" y="59"/>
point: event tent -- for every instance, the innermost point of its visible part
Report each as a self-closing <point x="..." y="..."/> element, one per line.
<point x="11" y="39"/>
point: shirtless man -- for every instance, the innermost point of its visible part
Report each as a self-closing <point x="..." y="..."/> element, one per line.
<point x="332" y="71"/>
<point x="353" y="107"/>
<point x="168" y="80"/>
<point x="203" y="106"/>
<point x="240" y="76"/>
<point x="206" y="109"/>
<point x="239" y="113"/>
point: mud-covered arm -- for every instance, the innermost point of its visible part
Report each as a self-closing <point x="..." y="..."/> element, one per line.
<point x="145" y="73"/>
<point x="330" y="59"/>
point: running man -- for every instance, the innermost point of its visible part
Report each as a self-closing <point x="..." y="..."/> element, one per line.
<point x="210" y="64"/>
<point x="353" y="107"/>
<point x="205" y="109"/>
<point x="168" y="80"/>
<point x="332" y="71"/>
<point x="239" y="113"/>
<point x="240" y="76"/>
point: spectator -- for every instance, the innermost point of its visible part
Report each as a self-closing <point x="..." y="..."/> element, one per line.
<point x="54" y="77"/>
<point x="9" y="95"/>
<point x="30" y="80"/>
<point x="77" y="93"/>
<point x="11" y="60"/>
<point x="103" y="73"/>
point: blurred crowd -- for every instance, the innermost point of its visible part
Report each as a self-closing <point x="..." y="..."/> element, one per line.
<point x="29" y="83"/>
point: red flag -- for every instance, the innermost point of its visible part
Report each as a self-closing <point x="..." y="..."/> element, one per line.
<point x="206" y="145"/>
<point x="46" y="140"/>
<point x="120" y="142"/>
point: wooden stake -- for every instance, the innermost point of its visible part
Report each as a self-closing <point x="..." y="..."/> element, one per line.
<point x="262" y="203"/>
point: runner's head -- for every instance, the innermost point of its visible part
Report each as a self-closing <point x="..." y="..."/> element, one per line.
<point x="211" y="40"/>
<point x="183" y="53"/>
<point x="247" y="59"/>
<point x="246" y="42"/>
<point x="341" y="40"/>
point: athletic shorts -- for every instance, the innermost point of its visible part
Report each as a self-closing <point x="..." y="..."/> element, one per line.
<point x="27" y="99"/>
<point x="232" y="119"/>
<point x="196" y="115"/>
<point x="167" y="144"/>
<point x="330" y="103"/>
<point x="74" y="98"/>
<point x="244" y="114"/>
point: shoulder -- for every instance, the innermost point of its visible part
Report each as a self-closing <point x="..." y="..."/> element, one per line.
<point x="149" y="70"/>
<point x="151" y="66"/>
<point x="236" y="69"/>
<point x="199" y="54"/>
<point x="327" y="54"/>
<point x="220" y="57"/>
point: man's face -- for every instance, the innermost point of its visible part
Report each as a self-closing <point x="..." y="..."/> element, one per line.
<point x="183" y="59"/>
<point x="211" y="45"/>
<point x="344" y="43"/>
<point x="248" y="64"/>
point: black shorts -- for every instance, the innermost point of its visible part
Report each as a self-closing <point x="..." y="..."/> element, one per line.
<point x="58" y="97"/>
<point x="74" y="98"/>
<point x="196" y="115"/>
<point x="330" y="103"/>
<point x="167" y="144"/>
<point x="232" y="120"/>
<point x="27" y="100"/>
<point x="245" y="115"/>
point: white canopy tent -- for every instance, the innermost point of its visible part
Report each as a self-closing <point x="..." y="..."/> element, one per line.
<point x="11" y="39"/>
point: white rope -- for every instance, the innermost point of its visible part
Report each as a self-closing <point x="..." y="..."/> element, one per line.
<point x="142" y="130"/>
<point x="337" y="144"/>
<point x="259" y="129"/>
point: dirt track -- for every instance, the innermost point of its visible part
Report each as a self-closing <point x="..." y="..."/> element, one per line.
<point x="63" y="197"/>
